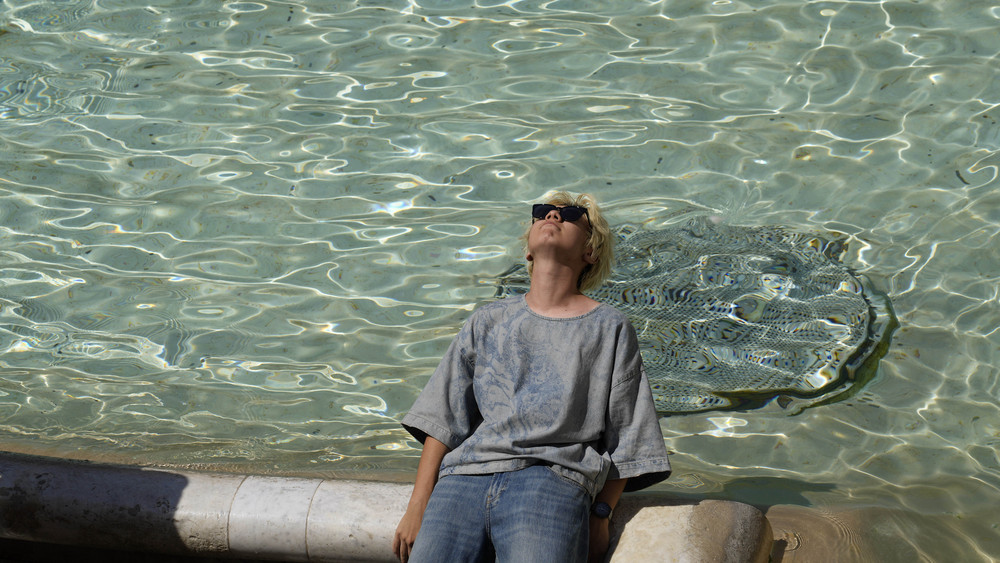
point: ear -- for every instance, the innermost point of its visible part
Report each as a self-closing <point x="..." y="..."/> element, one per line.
<point x="589" y="257"/>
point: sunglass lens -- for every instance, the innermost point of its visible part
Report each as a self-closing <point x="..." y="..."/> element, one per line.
<point x="540" y="210"/>
<point x="571" y="213"/>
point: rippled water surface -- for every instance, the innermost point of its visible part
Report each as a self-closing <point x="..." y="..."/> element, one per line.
<point x="241" y="234"/>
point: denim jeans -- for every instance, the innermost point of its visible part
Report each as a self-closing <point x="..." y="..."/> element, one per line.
<point x="529" y="515"/>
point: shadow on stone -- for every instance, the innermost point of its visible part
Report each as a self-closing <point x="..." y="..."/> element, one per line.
<point x="83" y="504"/>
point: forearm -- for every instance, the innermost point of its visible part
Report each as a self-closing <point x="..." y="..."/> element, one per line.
<point x="427" y="470"/>
<point x="600" y="536"/>
<point x="427" y="474"/>
<point x="611" y="492"/>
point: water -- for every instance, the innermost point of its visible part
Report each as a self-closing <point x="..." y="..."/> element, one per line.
<point x="239" y="235"/>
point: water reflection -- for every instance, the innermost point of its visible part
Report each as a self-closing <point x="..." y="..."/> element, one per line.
<point x="190" y="241"/>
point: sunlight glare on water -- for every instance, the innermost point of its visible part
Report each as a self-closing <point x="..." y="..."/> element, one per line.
<point x="240" y="235"/>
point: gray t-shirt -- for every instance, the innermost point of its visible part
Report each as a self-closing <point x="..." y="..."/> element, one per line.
<point x="518" y="389"/>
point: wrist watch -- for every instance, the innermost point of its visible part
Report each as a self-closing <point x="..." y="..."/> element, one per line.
<point x="601" y="510"/>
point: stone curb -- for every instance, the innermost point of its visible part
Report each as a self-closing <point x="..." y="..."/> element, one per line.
<point x="313" y="520"/>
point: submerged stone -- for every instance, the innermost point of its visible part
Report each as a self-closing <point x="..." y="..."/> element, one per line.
<point x="733" y="317"/>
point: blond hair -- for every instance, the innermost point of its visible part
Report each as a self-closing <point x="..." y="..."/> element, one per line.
<point x="599" y="240"/>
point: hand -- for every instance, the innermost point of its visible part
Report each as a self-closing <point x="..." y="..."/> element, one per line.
<point x="406" y="532"/>
<point x="600" y="539"/>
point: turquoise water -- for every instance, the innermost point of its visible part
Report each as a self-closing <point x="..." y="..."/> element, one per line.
<point x="239" y="235"/>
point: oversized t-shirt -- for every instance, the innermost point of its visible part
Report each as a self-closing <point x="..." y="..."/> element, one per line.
<point x="516" y="389"/>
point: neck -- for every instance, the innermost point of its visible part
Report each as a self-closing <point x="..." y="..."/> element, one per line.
<point x="554" y="293"/>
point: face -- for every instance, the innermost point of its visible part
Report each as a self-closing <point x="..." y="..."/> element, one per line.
<point x="565" y="227"/>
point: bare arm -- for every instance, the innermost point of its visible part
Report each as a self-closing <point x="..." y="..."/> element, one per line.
<point x="427" y="475"/>
<point x="600" y="535"/>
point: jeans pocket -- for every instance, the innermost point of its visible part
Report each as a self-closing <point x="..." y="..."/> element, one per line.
<point x="567" y="481"/>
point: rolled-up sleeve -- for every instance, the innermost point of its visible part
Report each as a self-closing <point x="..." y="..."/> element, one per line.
<point x="446" y="408"/>
<point x="632" y="435"/>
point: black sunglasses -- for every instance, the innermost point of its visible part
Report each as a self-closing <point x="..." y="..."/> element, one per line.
<point x="568" y="213"/>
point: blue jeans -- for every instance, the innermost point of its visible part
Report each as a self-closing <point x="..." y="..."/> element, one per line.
<point x="529" y="515"/>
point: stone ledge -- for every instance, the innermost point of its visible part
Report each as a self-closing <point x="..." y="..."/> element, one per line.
<point x="657" y="528"/>
<point x="315" y="520"/>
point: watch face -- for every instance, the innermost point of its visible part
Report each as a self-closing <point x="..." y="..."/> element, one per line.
<point x="602" y="510"/>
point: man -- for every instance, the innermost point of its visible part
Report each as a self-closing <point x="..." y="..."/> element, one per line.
<point x="539" y="415"/>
